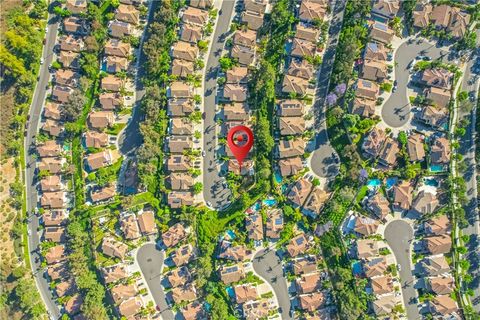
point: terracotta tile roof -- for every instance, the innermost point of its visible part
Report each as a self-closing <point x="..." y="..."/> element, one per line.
<point x="443" y="305"/>
<point x="367" y="248"/>
<point x="183" y="255"/>
<point x="73" y="304"/>
<point x="174" y="235"/>
<point x="438" y="225"/>
<point x="415" y="147"/>
<point x="182" y="68"/>
<point x="186" y="292"/>
<point x="122" y="292"/>
<point x="440" y="151"/>
<point x="129" y="227"/>
<point x="76" y="6"/>
<point x="252" y="19"/>
<point x="180" y="107"/>
<point x="387" y="8"/>
<point x="193" y="311"/>
<point x="50" y="164"/>
<point x="379" y="205"/>
<point x="53" y="200"/>
<point x="366" y="226"/>
<point x="104" y="193"/>
<point x="55" y="254"/>
<point x="402" y="195"/>
<point x="290" y="166"/>
<point x="51" y="183"/>
<point x="244" y="55"/>
<point x="381" y="32"/>
<point x="245" y="38"/>
<point x="54" y="218"/>
<point x="230" y="274"/>
<point x="290" y="148"/>
<point x="237" y="75"/>
<point x="127" y="13"/>
<point x="376" y="51"/>
<point x="53" y="111"/>
<point x="382" y="285"/>
<point x="119" y="29"/>
<point x="301" y="68"/>
<point x="102" y="159"/>
<point x="298" y="244"/>
<point x="302" y="48"/>
<point x="315" y="201"/>
<point x="367" y="89"/>
<point x="185" y="51"/>
<point x="114" y="248"/>
<point x="425" y="202"/>
<point x="438" y="244"/>
<point x="245" y="292"/>
<point x="112" y="83"/>
<point x="114" y="273"/>
<point x="180" y="89"/>
<point x="437" y="77"/>
<point x="299" y="192"/>
<point x="435" y="265"/>
<point x="178" y="162"/>
<point x="312" y="11"/>
<point x="95" y="139"/>
<point x="308" y="283"/>
<point x="290" y="108"/>
<point x="439" y="97"/>
<point x="311" y="301"/>
<point x="254" y="227"/>
<point x="179" y="276"/>
<point x="291" y="125"/>
<point x="235" y="92"/>
<point x="130" y="307"/>
<point x="305" y="265"/>
<point x="146" y="222"/>
<point x="306" y="32"/>
<point x="195" y="16"/>
<point x="259" y="6"/>
<point x="374" y="141"/>
<point x="116" y="47"/>
<point x="375" y="267"/>
<point x="442" y="284"/>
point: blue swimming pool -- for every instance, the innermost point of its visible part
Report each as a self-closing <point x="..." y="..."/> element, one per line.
<point x="231" y="234"/>
<point x="431" y="182"/>
<point x="230" y="292"/>
<point x="257" y="206"/>
<point x="278" y="177"/>
<point x="357" y="268"/>
<point x="374" y="183"/>
<point x="270" y="202"/>
<point x="436" y="168"/>
<point x="391" y="182"/>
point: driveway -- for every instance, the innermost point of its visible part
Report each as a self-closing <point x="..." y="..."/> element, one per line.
<point x="150" y="261"/>
<point x="399" y="234"/>
<point x="267" y="264"/>
<point x="396" y="110"/>
<point x="213" y="189"/>
<point x="31" y="195"/>
<point x="323" y="162"/>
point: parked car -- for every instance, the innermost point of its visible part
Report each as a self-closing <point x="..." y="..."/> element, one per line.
<point x="395" y="85"/>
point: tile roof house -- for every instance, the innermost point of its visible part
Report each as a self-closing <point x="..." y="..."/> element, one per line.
<point x="402" y="195"/>
<point x="76" y="6"/>
<point x="179" y="276"/>
<point x="52" y="127"/>
<point x="299" y="86"/>
<point x="379" y="205"/>
<point x="55" y="254"/>
<point x="440" y="16"/>
<point x="381" y="32"/>
<point x="49" y="148"/>
<point x="185" y="51"/>
<point x="258" y="309"/>
<point x="54" y="218"/>
<point x="421" y="15"/>
<point x="245" y="38"/>
<point x="253" y="20"/>
<point x="202" y="4"/>
<point x="373" y="143"/>
<point x="376" y="51"/>
<point x="178" y="162"/>
<point x="116" y="64"/>
<point x="382" y="285"/>
<point x="301" y="68"/>
<point x="366" y="226"/>
<point x="315" y="201"/>
<point x="95" y="139"/>
<point x="415" y="147"/>
<point x="234" y="167"/>
<point x="182" y="68"/>
<point x="51" y="164"/>
<point x="439" y="97"/>
<point x="437" y="77"/>
<point x="55" y="234"/>
<point x="66" y="77"/>
<point x="254" y="227"/>
<point x="65" y="288"/>
<point x="297" y="245"/>
<point x="308" y="283"/>
<point x="374" y="70"/>
<point x="51" y="183"/>
<point x="146" y="222"/>
<point x="52" y="110"/>
<point x="290" y="166"/>
<point x="438" y="225"/>
<point x="311" y="11"/>
<point x="384" y="304"/>
<point x="53" y="200"/>
<point x="236" y="112"/>
<point x="435" y="265"/>
<point x="443" y="305"/>
<point x="119" y="29"/>
<point x="186" y="292"/>
<point x="438" y="244"/>
<point x="174" y="235"/>
<point x="425" y="202"/>
<point x="101" y="119"/>
<point x="191" y="33"/>
<point x="102" y="159"/>
<point x="127" y="13"/>
<point x="181" y="126"/>
<point x="244" y="55"/>
<point x="180" y="107"/>
<point x="302" y="48"/>
<point x="440" y="151"/>
<point x="363" y="107"/>
<point x="179" y="144"/>
<point x="290" y="108"/>
<point x="259" y="6"/>
<point x="274" y="223"/>
<point x="291" y="125"/>
<point x="112" y="83"/>
<point x="230" y="274"/>
<point x="386" y="8"/>
<point x="180" y="181"/>
<point x="61" y="93"/>
<point x="389" y="153"/>
<point x="179" y="89"/>
<point x="305" y="265"/>
<point x="237" y="75"/>
<point x="307" y="32"/>
<point x="183" y="255"/>
<point x="116" y="47"/>
<point x="129" y="227"/>
<point x="114" y="273"/>
<point x="235" y="92"/>
<point x="375" y="267"/>
<point x="73" y="305"/>
<point x="367" y="248"/>
<point x="110" y="100"/>
<point x="131" y="307"/>
<point x="114" y="248"/>
<point x="69" y="59"/>
<point x="122" y="292"/>
<point x="245" y="292"/>
<point x="441" y="284"/>
<point x="290" y="148"/>
<point x="58" y="271"/>
<point x="193" y="311"/>
<point x="311" y="301"/>
<point x="367" y="89"/>
<point x="236" y="253"/>
<point x="299" y="192"/>
<point x="435" y="116"/>
<point x="71" y="43"/>
<point x="458" y="25"/>
<point x="195" y="16"/>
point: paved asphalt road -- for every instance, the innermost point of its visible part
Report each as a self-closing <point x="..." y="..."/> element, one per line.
<point x="396" y="110"/>
<point x="467" y="149"/>
<point x="324" y="161"/>
<point x="398" y="234"/>
<point x="150" y="261"/>
<point x="33" y="122"/>
<point x="131" y="138"/>
<point x="213" y="191"/>
<point x="268" y="266"/>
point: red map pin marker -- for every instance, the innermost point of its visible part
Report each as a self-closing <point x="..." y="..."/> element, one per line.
<point x="240" y="141"/>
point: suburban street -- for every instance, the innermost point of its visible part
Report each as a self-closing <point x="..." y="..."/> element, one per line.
<point x="396" y="110"/>
<point x="324" y="159"/>
<point x="150" y="261"/>
<point x="399" y="234"/>
<point x="213" y="190"/>
<point x="31" y="191"/>
<point x="267" y="264"/>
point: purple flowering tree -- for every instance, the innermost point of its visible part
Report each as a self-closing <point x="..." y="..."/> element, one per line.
<point x="331" y="99"/>
<point x="340" y="89"/>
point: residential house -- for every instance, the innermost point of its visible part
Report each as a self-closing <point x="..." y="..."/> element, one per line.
<point x="274" y="223"/>
<point x="76" y="6"/>
<point x="179" y="276"/>
<point x="55" y="254"/>
<point x="290" y="108"/>
<point x="129" y="227"/>
<point x="379" y="205"/>
<point x="425" y="202"/>
<point x="234" y="167"/>
<point x="180" y="107"/>
<point x="291" y="125"/>
<point x="308" y="283"/>
<point x="202" y="4"/>
<point x="259" y="6"/>
<point x="55" y="234"/>
<point x="244" y="55"/>
<point x="54" y="218"/>
<point x="182" y="68"/>
<point x="95" y="139"/>
<point x="385" y="304"/>
<point x="52" y="110"/>
<point x="441" y="285"/>
<point x="245" y="38"/>
<point x="440" y="151"/>
<point x="51" y="183"/>
<point x="195" y="16"/>
<point x="299" y="192"/>
<point x="131" y="307"/>
<point x="381" y="32"/>
<point x="296" y="85"/>
<point x="236" y="112"/>
<point x="366" y="226"/>
<point x="53" y="200"/>
<point x="230" y="274"/>
<point x="114" y="273"/>
<point x="185" y="51"/>
<point x="435" y="265"/>
<point x="402" y="195"/>
<point x="458" y="25"/>
<point x="305" y="265"/>
<point x="374" y="70"/>
<point x="254" y="227"/>
<point x="119" y="29"/>
<point x="438" y="225"/>
<point x="146" y="222"/>
<point x="440" y="16"/>
<point x="443" y="306"/>
<point x="179" y="144"/>
<point x="110" y="100"/>
<point x="312" y="11"/>
<point x="174" y="235"/>
<point x="367" y="248"/>
<point x="258" y="309"/>
<point x="191" y="33"/>
<point x="180" y="181"/>
<point x="435" y="116"/>
<point x="439" y="97"/>
<point x="290" y="148"/>
<point x="421" y="15"/>
<point x="61" y="94"/>
<point x="116" y="47"/>
<point x="69" y="59"/>
<point x="193" y="311"/>
<point x="311" y="301"/>
<point x="102" y="159"/>
<point x="307" y="32"/>
<point x="245" y="292"/>
<point x="373" y="143"/>
<point x="388" y="154"/>
<point x="187" y="292"/>
<point x="437" y="77"/>
<point x="253" y="20"/>
<point x="65" y="288"/>
<point x="302" y="48"/>
<point x="49" y="148"/>
<point x="235" y="92"/>
<point x="297" y="245"/>
<point x="301" y="68"/>
<point x="290" y="166"/>
<point x="181" y="126"/>
<point x="112" y="83"/>
<point x="73" y="305"/>
<point x="52" y="127"/>
<point x="58" y="271"/>
<point x="363" y="107"/>
<point x="236" y="253"/>
<point x="66" y="77"/>
<point x="375" y="267"/>
<point x="122" y="292"/>
<point x="101" y="119"/>
<point x="315" y="201"/>
<point x="127" y="13"/>
<point x="237" y="75"/>
<point x="116" y="64"/>
<point x="382" y="285"/>
<point x="179" y="89"/>
<point x="51" y="164"/>
<point x="386" y="8"/>
<point x="376" y="51"/>
<point x="71" y="43"/>
<point x="114" y="248"/>
<point x="178" y="163"/>
<point x="440" y="244"/>
<point x="415" y="147"/>
<point x="367" y="89"/>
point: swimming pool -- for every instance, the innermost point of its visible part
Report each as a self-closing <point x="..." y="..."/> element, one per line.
<point x="278" y="177"/>
<point x="270" y="202"/>
<point x="257" y="206"/>
<point x="436" y="168"/>
<point x="230" y="292"/>
<point x="374" y="183"/>
<point x="431" y="182"/>
<point x="357" y="268"/>
<point x="231" y="234"/>
<point x="391" y="182"/>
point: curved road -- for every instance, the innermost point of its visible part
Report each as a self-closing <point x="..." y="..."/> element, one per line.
<point x="396" y="110"/>
<point x="267" y="264"/>
<point x="399" y="235"/>
<point x="324" y="162"/>
<point x="150" y="261"/>
<point x="213" y="190"/>
<point x="30" y="165"/>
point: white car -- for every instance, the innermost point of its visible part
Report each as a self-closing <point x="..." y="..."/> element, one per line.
<point x="399" y="267"/>
<point x="42" y="61"/>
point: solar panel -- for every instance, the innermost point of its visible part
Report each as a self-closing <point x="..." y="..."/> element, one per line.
<point x="278" y="221"/>
<point x="381" y="26"/>
<point x="299" y="240"/>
